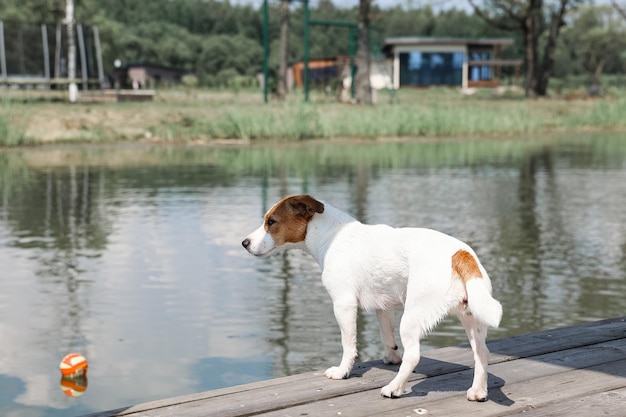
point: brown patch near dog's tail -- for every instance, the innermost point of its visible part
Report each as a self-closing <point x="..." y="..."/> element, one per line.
<point x="465" y="266"/>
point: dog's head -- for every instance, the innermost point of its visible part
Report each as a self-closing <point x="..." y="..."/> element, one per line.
<point x="285" y="225"/>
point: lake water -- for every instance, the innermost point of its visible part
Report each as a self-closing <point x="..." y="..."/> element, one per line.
<point x="131" y="254"/>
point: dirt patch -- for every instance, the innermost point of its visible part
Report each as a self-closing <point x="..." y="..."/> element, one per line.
<point x="48" y="119"/>
<point x="88" y="122"/>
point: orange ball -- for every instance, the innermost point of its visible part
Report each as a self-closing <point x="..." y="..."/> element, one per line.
<point x="73" y="365"/>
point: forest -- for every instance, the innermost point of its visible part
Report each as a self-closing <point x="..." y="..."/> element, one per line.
<point x="220" y="42"/>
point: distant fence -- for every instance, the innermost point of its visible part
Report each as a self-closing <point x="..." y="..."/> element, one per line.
<point x="36" y="56"/>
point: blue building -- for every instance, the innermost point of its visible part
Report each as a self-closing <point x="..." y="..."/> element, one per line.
<point x="428" y="61"/>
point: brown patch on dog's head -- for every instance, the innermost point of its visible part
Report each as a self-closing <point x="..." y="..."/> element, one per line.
<point x="465" y="266"/>
<point x="287" y="221"/>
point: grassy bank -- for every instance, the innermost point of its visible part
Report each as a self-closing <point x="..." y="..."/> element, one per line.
<point x="11" y="133"/>
<point x="206" y="116"/>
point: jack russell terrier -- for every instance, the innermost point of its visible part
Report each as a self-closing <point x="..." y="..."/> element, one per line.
<point x="377" y="267"/>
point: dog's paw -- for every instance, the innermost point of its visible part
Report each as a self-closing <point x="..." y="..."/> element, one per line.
<point x="477" y="394"/>
<point x="390" y="391"/>
<point x="392" y="358"/>
<point x="335" y="372"/>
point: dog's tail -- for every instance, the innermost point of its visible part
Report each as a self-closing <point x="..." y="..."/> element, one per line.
<point x="478" y="288"/>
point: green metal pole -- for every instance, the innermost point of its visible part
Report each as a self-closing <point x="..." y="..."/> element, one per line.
<point x="306" y="50"/>
<point x="266" y="48"/>
<point x="3" y="58"/>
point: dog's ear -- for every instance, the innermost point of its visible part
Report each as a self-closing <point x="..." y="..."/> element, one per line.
<point x="305" y="205"/>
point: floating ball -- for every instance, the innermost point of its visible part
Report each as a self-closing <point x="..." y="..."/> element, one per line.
<point x="73" y="365"/>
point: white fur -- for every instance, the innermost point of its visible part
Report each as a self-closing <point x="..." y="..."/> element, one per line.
<point x="377" y="267"/>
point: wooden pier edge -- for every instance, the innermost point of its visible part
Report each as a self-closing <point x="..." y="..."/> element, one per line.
<point x="578" y="370"/>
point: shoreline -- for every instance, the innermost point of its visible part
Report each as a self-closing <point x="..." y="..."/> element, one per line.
<point x="242" y="119"/>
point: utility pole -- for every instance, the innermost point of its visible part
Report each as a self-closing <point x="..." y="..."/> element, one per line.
<point x="71" y="51"/>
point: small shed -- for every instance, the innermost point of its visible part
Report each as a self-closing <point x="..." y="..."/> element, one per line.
<point x="142" y="75"/>
<point x="322" y="71"/>
<point x="463" y="62"/>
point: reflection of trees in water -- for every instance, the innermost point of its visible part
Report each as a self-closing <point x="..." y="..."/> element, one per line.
<point x="281" y="322"/>
<point x="54" y="218"/>
<point x="69" y="222"/>
<point x="530" y="231"/>
<point x="360" y="193"/>
<point x="623" y="257"/>
<point x="541" y="224"/>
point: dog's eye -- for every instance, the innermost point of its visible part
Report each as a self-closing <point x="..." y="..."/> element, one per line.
<point x="270" y="222"/>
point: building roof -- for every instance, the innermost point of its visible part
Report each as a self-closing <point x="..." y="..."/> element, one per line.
<point x="429" y="40"/>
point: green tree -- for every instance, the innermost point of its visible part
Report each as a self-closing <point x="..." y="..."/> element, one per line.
<point x="621" y="8"/>
<point x="591" y="40"/>
<point x="458" y="23"/>
<point x="533" y="19"/>
<point x="413" y="22"/>
<point x="32" y="11"/>
<point x="237" y="54"/>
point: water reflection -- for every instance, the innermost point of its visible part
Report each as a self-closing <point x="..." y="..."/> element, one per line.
<point x="131" y="254"/>
<point x="74" y="387"/>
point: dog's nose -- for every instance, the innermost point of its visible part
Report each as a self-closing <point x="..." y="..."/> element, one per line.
<point x="246" y="243"/>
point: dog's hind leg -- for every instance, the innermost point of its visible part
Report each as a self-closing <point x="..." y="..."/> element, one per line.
<point x="477" y="334"/>
<point x="385" y="319"/>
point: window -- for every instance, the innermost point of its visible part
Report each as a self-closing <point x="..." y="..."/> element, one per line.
<point x="480" y="73"/>
<point x="431" y="68"/>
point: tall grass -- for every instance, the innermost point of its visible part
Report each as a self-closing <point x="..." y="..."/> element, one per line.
<point x="433" y="121"/>
<point x="432" y="113"/>
<point x="420" y="114"/>
<point x="11" y="134"/>
<point x="12" y="129"/>
<point x="290" y="122"/>
<point x="604" y="113"/>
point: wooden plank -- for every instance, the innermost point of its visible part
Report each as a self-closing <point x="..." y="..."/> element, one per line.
<point x="299" y="388"/>
<point x="533" y="394"/>
<point x="611" y="403"/>
<point x="559" y="339"/>
<point x="549" y="353"/>
<point x="436" y="393"/>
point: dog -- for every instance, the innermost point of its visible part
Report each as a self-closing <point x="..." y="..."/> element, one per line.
<point x="378" y="267"/>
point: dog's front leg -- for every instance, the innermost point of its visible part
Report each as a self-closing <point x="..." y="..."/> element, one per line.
<point x="345" y="313"/>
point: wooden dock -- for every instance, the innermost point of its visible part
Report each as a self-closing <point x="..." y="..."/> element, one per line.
<point x="571" y="371"/>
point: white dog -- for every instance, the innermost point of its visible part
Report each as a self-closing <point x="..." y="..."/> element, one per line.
<point x="378" y="267"/>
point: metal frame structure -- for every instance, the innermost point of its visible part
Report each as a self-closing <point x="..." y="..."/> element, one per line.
<point x="47" y="79"/>
<point x="352" y="26"/>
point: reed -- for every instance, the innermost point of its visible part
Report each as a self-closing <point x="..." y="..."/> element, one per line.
<point x="433" y="113"/>
<point x="436" y="114"/>
<point x="603" y="113"/>
<point x="11" y="134"/>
